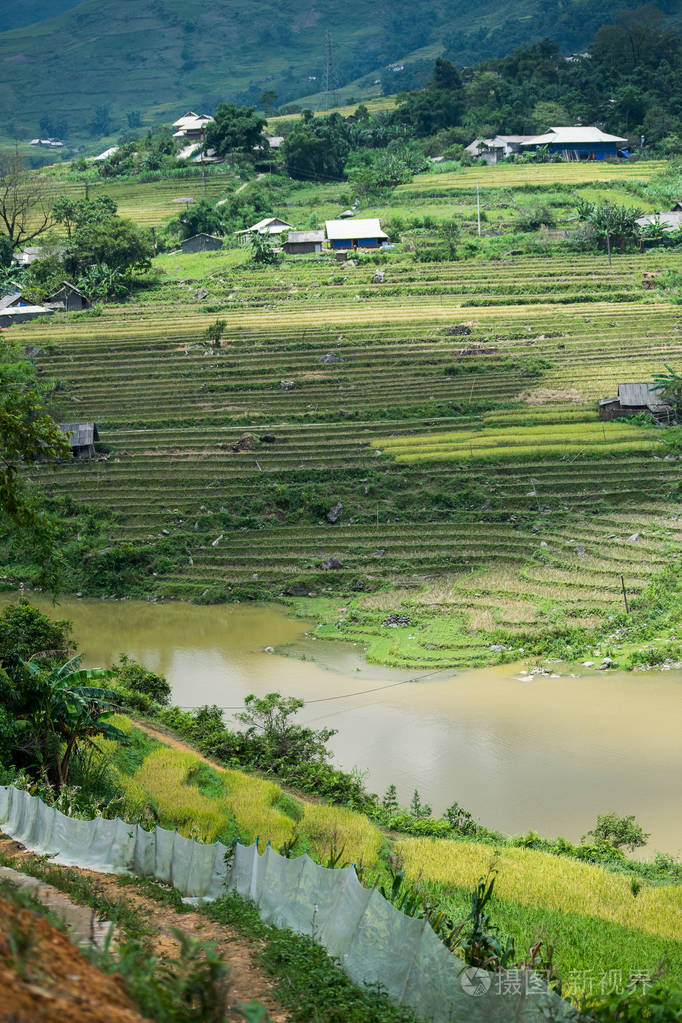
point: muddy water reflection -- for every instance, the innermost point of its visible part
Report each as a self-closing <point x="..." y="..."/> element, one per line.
<point x="548" y="754"/>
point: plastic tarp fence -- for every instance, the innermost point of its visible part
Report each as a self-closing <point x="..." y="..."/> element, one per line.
<point x="198" y="871"/>
<point x="374" y="942"/>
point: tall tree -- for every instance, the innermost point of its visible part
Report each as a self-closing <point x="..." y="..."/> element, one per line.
<point x="235" y="129"/>
<point x="25" y="201"/>
<point x="27" y="433"/>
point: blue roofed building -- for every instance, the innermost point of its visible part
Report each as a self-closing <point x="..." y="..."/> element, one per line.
<point x="578" y="143"/>
<point x="355" y="234"/>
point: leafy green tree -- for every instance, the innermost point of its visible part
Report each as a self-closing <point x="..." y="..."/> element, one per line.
<point x="58" y="713"/>
<point x="214" y="332"/>
<point x="101" y="121"/>
<point x="390" y="800"/>
<point x="27" y="433"/>
<point x="268" y="102"/>
<point x="449" y="231"/>
<point x="269" y="719"/>
<point x="139" y="679"/>
<point x="201" y="216"/>
<point x="118" y="242"/>
<point x="619" y="832"/>
<point x="76" y="213"/>
<point x="317" y="148"/>
<point x="25" y="632"/>
<point x="235" y="129"/>
<point x="417" y="808"/>
<point x="6" y="251"/>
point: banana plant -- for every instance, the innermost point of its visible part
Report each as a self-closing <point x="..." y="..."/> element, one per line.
<point x="65" y="711"/>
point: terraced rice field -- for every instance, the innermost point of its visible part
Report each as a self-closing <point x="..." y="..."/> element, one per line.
<point x="450" y="409"/>
<point x="534" y="175"/>
<point x="150" y="203"/>
<point x="543" y="526"/>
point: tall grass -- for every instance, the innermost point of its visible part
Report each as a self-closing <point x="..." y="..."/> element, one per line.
<point x="351" y="833"/>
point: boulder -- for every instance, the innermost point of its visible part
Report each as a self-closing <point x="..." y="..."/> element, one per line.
<point x="268" y="438"/>
<point x="458" y="330"/>
<point x="200" y="294"/>
<point x="331" y="564"/>
<point x="379" y="277"/>
<point x="296" y="590"/>
<point x="334" y="513"/>
<point x="330" y="359"/>
<point x="635" y="538"/>
<point x="359" y="585"/>
<point x="396" y="621"/>
<point x="245" y="443"/>
<point x="287" y="385"/>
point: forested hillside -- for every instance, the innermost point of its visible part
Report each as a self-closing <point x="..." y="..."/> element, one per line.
<point x="99" y="66"/>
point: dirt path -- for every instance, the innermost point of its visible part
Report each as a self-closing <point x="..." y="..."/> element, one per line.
<point x="247" y="979"/>
<point x="259" y="177"/>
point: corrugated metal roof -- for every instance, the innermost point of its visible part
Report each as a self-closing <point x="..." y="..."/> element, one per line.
<point x="9" y="300"/>
<point x="638" y="394"/>
<point x="573" y="136"/>
<point x="23" y="310"/>
<point x="669" y="220"/>
<point x="298" y="237"/>
<point x="339" y="230"/>
<point x="80" y="435"/>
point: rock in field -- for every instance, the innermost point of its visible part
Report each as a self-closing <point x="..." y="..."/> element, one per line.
<point x="334" y="513"/>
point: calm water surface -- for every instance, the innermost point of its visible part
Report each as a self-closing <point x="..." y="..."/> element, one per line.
<point x="549" y="754"/>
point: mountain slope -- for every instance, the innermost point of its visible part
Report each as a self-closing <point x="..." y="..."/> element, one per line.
<point x="161" y="56"/>
<point x="15" y="15"/>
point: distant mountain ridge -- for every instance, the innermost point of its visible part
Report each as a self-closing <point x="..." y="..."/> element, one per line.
<point x="156" y="58"/>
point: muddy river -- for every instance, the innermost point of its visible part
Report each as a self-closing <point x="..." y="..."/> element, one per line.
<point x="548" y="754"/>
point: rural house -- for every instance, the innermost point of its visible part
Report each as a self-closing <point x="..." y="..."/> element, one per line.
<point x="81" y="437"/>
<point x="11" y="301"/>
<point x="355" y="234"/>
<point x="201" y="242"/>
<point x="634" y="398"/>
<point x="272" y="226"/>
<point x="299" y="242"/>
<point x="69" y="298"/>
<point x="490" y="151"/>
<point x="671" y="220"/>
<point x="22" y="314"/>
<point x="572" y="143"/>
<point x="191" y="126"/>
<point x="28" y="255"/>
<point x="577" y="143"/>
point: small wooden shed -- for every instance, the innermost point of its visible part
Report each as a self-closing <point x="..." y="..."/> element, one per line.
<point x="68" y="297"/>
<point x="299" y="242"/>
<point x="201" y="242"/>
<point x="634" y="398"/>
<point x="81" y="437"/>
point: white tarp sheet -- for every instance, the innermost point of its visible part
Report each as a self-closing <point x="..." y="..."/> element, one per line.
<point x="375" y="942"/>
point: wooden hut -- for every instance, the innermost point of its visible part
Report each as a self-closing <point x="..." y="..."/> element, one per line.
<point x="299" y="242"/>
<point x="81" y="437"/>
<point x="22" y="314"/>
<point x="634" y="398"/>
<point x="69" y="298"/>
<point x="201" y="242"/>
